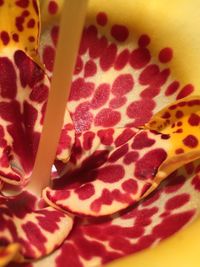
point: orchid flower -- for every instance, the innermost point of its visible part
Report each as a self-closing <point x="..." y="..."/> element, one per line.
<point x="129" y="125"/>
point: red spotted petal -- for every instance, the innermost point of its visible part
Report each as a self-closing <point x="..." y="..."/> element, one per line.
<point x="38" y="231"/>
<point x="96" y="241"/>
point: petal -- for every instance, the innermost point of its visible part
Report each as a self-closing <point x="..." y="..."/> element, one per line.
<point x="39" y="231"/>
<point x="8" y="253"/>
<point x="96" y="241"/>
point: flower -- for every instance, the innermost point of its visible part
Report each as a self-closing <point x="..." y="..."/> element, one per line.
<point x="126" y="128"/>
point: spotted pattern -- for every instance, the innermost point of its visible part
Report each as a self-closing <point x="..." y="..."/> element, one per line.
<point x="119" y="154"/>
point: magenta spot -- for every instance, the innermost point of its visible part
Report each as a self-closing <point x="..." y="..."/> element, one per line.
<point x="107" y="118"/>
<point x="111" y="173"/>
<point x="119" y="32"/>
<point x="117" y="102"/>
<point x="165" y="55"/>
<point x="131" y="157"/>
<point x="172" y="88"/>
<point x="101" y="96"/>
<point x="5" y="37"/>
<point x="144" y="40"/>
<point x="141" y="141"/>
<point x="81" y="89"/>
<point x="108" y="56"/>
<point x="22" y="3"/>
<point x="177" y="201"/>
<point x="124" y="137"/>
<point x="52" y="7"/>
<point x="141" y="111"/>
<point x="190" y="141"/>
<point x="48" y="57"/>
<point x="82" y="117"/>
<point x="147" y="166"/>
<point x="102" y="18"/>
<point x="139" y="58"/>
<point x="90" y="68"/>
<point x="148" y="74"/>
<point x="39" y="93"/>
<point x="122" y="84"/>
<point x="172" y="224"/>
<point x="88" y="138"/>
<point x="122" y="59"/>
<point x="85" y="191"/>
<point x="118" y="153"/>
<point x="54" y="34"/>
<point x="106" y="136"/>
<point x="179" y="114"/>
<point x="185" y="91"/>
<point x="130" y="186"/>
<point x="194" y="119"/>
<point x="8" y="82"/>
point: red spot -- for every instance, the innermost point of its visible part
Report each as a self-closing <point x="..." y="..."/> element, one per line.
<point x="194" y="119"/>
<point x="79" y="65"/>
<point x="48" y="57"/>
<point x="39" y="93"/>
<point x="177" y="201"/>
<point x="90" y="68"/>
<point x="54" y="34"/>
<point x="179" y="114"/>
<point x="82" y="117"/>
<point x="124" y="137"/>
<point x="85" y="191"/>
<point x="22" y="3"/>
<point x="122" y="85"/>
<point x="196" y="182"/>
<point x="34" y="236"/>
<point x="150" y="92"/>
<point x="147" y="166"/>
<point x="131" y="157"/>
<point x="141" y="141"/>
<point x="122" y="59"/>
<point x="148" y="74"/>
<point x="190" y="141"/>
<point x="31" y="23"/>
<point x="107" y="59"/>
<point x="8" y="85"/>
<point x="172" y="88"/>
<point x="144" y="40"/>
<point x="88" y="138"/>
<point x="185" y="91"/>
<point x="1" y="2"/>
<point x="5" y="37"/>
<point x="19" y="23"/>
<point x="166" y="115"/>
<point x="81" y="89"/>
<point x="117" y="102"/>
<point x="102" y="18"/>
<point x="130" y="186"/>
<point x="15" y="37"/>
<point x="106" y="136"/>
<point x="101" y="96"/>
<point x="194" y="102"/>
<point x="68" y="255"/>
<point x="119" y="32"/>
<point x="119" y="153"/>
<point x="107" y="118"/>
<point x="139" y="58"/>
<point x="53" y="7"/>
<point x="111" y="173"/>
<point x="31" y="39"/>
<point x="165" y="55"/>
<point x="189" y="168"/>
<point x="97" y="47"/>
<point x="141" y="111"/>
<point x="172" y="224"/>
<point x="179" y="151"/>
